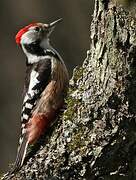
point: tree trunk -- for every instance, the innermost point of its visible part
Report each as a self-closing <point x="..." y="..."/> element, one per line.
<point x="95" y="138"/>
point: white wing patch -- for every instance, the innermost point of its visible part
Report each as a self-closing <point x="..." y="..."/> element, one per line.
<point x="29" y="95"/>
<point x="28" y="105"/>
<point x="33" y="82"/>
<point x="25" y="116"/>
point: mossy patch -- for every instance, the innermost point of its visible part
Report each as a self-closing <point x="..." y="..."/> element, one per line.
<point x="78" y="141"/>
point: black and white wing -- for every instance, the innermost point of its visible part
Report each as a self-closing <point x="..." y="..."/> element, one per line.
<point x="39" y="76"/>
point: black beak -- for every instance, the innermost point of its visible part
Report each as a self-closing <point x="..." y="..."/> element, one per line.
<point x="51" y="26"/>
<point x="54" y="23"/>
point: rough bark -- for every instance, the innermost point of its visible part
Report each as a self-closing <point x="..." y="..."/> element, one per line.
<point x="95" y="138"/>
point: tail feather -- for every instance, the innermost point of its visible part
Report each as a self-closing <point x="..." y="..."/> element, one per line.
<point x="19" y="159"/>
<point x="21" y="154"/>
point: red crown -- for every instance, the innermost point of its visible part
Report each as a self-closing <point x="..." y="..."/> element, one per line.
<point x="22" y="31"/>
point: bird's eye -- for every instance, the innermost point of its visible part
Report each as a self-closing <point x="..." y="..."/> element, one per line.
<point x="37" y="29"/>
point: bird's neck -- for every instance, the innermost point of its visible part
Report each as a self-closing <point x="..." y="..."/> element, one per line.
<point x="45" y="44"/>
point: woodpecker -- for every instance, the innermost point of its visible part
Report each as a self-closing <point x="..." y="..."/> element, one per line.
<point x="45" y="86"/>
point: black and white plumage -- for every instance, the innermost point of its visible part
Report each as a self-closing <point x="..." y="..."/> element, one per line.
<point x="45" y="86"/>
<point x="37" y="78"/>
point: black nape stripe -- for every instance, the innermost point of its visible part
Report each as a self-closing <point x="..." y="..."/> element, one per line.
<point x="34" y="48"/>
<point x="52" y="53"/>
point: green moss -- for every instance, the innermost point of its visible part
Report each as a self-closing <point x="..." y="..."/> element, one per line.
<point x="73" y="103"/>
<point x="77" y="73"/>
<point x="78" y="141"/>
<point x="114" y="60"/>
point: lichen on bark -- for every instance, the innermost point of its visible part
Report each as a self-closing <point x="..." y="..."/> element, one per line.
<point x="95" y="138"/>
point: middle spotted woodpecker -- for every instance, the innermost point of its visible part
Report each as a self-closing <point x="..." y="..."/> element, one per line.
<point x="45" y="86"/>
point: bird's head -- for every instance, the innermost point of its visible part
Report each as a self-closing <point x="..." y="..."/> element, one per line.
<point x="35" y="32"/>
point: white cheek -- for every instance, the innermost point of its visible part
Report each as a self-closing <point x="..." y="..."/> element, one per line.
<point x="29" y="37"/>
<point x="26" y="40"/>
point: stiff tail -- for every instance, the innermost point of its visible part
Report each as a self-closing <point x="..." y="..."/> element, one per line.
<point x="19" y="159"/>
<point x="21" y="154"/>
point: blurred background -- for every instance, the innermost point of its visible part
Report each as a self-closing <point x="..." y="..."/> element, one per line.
<point x="71" y="39"/>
